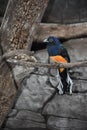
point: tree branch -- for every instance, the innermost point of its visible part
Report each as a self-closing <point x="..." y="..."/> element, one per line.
<point x="61" y="31"/>
<point x="15" y="52"/>
<point x="55" y="65"/>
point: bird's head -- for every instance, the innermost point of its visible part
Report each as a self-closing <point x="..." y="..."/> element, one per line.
<point x="50" y="41"/>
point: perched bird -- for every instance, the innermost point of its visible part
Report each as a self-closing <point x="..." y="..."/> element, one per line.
<point x="58" y="53"/>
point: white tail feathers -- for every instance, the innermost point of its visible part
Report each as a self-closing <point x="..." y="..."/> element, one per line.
<point x="70" y="83"/>
<point x="60" y="84"/>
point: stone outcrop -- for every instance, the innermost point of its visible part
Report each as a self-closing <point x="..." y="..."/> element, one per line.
<point x="25" y="119"/>
<point x="39" y="105"/>
<point x="66" y="123"/>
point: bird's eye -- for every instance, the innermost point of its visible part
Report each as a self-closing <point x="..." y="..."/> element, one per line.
<point x="51" y="40"/>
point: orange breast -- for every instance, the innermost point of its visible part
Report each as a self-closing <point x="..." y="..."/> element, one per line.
<point x="57" y="59"/>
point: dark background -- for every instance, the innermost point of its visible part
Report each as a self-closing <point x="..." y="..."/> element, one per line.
<point x="3" y="4"/>
<point x="66" y="11"/>
<point x="60" y="11"/>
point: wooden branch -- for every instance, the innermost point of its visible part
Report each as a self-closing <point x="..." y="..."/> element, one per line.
<point x="56" y="65"/>
<point x="61" y="31"/>
<point x="15" y="52"/>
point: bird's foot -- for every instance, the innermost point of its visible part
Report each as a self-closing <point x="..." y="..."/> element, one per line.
<point x="60" y="88"/>
<point x="61" y="93"/>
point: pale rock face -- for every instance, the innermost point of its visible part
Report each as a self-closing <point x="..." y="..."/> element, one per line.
<point x="38" y="97"/>
<point x="35" y="93"/>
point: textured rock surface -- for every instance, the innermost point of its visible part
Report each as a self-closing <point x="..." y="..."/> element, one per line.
<point x="38" y="104"/>
<point x="26" y="118"/>
<point x="68" y="106"/>
<point x="57" y="123"/>
<point x="35" y="94"/>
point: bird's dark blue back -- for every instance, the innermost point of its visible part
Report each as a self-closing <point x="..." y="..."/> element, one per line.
<point x="57" y="48"/>
<point x="53" y="49"/>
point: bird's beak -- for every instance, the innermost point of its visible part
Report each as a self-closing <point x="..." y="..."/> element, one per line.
<point x="45" y="40"/>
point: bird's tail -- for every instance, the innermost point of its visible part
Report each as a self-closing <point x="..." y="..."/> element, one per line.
<point x="65" y="82"/>
<point x="70" y="83"/>
<point x="60" y="84"/>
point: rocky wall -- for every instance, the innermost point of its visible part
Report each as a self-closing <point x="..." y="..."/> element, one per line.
<point x="38" y="104"/>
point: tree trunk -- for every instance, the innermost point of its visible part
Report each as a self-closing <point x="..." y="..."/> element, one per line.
<point x="17" y="31"/>
<point x="20" y="23"/>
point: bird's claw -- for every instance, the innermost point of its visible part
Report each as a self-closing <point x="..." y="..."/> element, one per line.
<point x="60" y="92"/>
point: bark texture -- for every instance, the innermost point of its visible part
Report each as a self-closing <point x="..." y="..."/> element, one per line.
<point x="18" y="27"/>
<point x="68" y="31"/>
<point x="19" y="24"/>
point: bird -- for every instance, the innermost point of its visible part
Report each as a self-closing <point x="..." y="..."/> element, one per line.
<point x="58" y="53"/>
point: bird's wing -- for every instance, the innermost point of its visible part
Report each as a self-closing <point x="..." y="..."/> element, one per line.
<point x="64" y="53"/>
